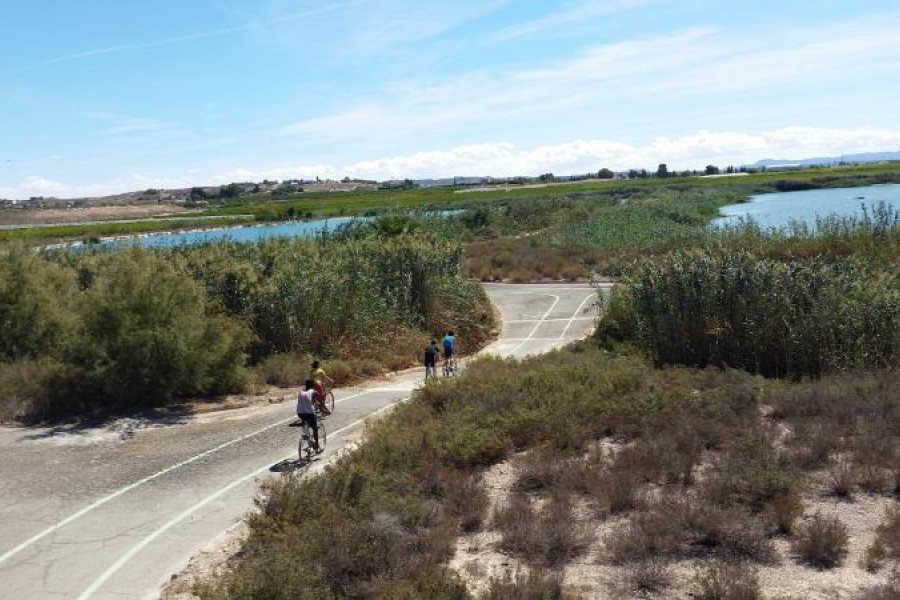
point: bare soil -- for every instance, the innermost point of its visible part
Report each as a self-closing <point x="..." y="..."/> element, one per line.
<point x="478" y="557"/>
<point x="34" y="216"/>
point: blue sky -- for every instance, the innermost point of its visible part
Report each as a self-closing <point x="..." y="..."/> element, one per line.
<point x="103" y="96"/>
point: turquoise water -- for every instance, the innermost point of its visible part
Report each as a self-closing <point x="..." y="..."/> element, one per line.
<point x="778" y="210"/>
<point x="248" y="233"/>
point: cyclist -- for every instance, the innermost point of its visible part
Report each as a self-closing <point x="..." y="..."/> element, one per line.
<point x="431" y="353"/>
<point x="305" y="411"/>
<point x="449" y="346"/>
<point x="318" y="375"/>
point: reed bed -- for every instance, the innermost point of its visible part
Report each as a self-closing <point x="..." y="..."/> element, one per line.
<point x="776" y="318"/>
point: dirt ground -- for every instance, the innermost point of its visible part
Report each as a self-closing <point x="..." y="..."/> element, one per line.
<point x="478" y="557"/>
<point x="28" y="216"/>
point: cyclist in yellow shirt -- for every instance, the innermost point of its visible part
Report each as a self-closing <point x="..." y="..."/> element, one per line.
<point x="319" y="376"/>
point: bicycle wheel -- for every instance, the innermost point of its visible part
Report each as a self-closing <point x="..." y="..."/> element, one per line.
<point x="305" y="446"/>
<point x="322" y="436"/>
<point x="329" y="402"/>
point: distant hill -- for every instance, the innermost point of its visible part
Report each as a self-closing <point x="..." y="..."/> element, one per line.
<point x="864" y="157"/>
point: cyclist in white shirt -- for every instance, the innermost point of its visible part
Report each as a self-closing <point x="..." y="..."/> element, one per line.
<point x="305" y="411"/>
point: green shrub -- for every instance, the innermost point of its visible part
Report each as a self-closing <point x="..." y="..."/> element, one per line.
<point x="37" y="304"/>
<point x="775" y="318"/>
<point x="147" y="339"/>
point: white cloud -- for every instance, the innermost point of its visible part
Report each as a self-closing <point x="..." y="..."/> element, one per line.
<point x="578" y="156"/>
<point x="675" y="70"/>
<point x="505" y="159"/>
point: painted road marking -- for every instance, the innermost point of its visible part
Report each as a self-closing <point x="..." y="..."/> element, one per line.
<point x="97" y="504"/>
<point x="126" y="558"/>
<point x="543" y="318"/>
<point x="572" y="320"/>
<point x="562" y="319"/>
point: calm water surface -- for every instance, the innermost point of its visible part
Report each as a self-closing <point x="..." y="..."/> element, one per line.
<point x="778" y="210"/>
<point x="248" y="233"/>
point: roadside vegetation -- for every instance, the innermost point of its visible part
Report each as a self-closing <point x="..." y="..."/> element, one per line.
<point x="108" y="331"/>
<point x="730" y="432"/>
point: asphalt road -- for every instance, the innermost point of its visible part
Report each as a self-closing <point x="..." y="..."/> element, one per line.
<point x="114" y="511"/>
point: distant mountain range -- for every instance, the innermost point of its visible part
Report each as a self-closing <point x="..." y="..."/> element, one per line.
<point x="864" y="157"/>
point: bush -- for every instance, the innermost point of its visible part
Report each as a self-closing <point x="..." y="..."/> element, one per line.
<point x="147" y="339"/>
<point x="26" y="388"/>
<point x="842" y="479"/>
<point x="751" y="472"/>
<point x="533" y="586"/>
<point x="548" y="537"/>
<point x="722" y="581"/>
<point x="648" y="576"/>
<point x="820" y="542"/>
<point x="677" y="527"/>
<point x="782" y="510"/>
<point x="37" y="306"/>
<point x="887" y="540"/>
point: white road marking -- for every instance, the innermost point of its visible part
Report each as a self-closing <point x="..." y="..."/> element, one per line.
<point x="173" y="522"/>
<point x="97" y="504"/>
<point x="564" y="319"/>
<point x="574" y="316"/>
<point x="543" y="318"/>
<point x="126" y="558"/>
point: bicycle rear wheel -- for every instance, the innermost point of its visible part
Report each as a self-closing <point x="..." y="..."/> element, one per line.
<point x="322" y="436"/>
<point x="305" y="445"/>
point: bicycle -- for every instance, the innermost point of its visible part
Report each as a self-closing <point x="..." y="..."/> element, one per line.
<point x="450" y="367"/>
<point x="430" y="372"/>
<point x="324" y="406"/>
<point x="306" y="449"/>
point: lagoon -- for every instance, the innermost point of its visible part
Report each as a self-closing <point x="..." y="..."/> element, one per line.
<point x="780" y="209"/>
<point x="244" y="233"/>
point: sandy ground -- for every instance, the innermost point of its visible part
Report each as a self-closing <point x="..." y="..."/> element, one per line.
<point x="19" y="216"/>
<point x="478" y="559"/>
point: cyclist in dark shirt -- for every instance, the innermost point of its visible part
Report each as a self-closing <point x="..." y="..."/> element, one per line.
<point x="431" y="354"/>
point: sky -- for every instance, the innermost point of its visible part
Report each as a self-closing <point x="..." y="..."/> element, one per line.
<point x="106" y="96"/>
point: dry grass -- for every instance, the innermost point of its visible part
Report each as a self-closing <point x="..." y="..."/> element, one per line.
<point x="820" y="542"/>
<point x="532" y="586"/>
<point x="887" y="591"/>
<point x="648" y="577"/>
<point x="723" y="581"/>
<point x="782" y="510"/>
<point x="675" y="528"/>
<point x="549" y="536"/>
<point x="521" y="260"/>
<point x="886" y="544"/>
<point x="841" y="480"/>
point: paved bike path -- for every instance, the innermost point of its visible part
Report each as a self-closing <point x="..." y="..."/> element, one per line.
<point x="111" y="513"/>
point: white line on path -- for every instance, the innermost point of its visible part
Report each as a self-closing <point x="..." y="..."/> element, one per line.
<point x="543" y="318"/>
<point x="126" y="558"/>
<point x="574" y="315"/>
<point x="97" y="504"/>
<point x="564" y="319"/>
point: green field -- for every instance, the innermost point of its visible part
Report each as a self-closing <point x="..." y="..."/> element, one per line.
<point x="592" y="196"/>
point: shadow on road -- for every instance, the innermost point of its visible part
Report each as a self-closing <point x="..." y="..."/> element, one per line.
<point x="123" y="428"/>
